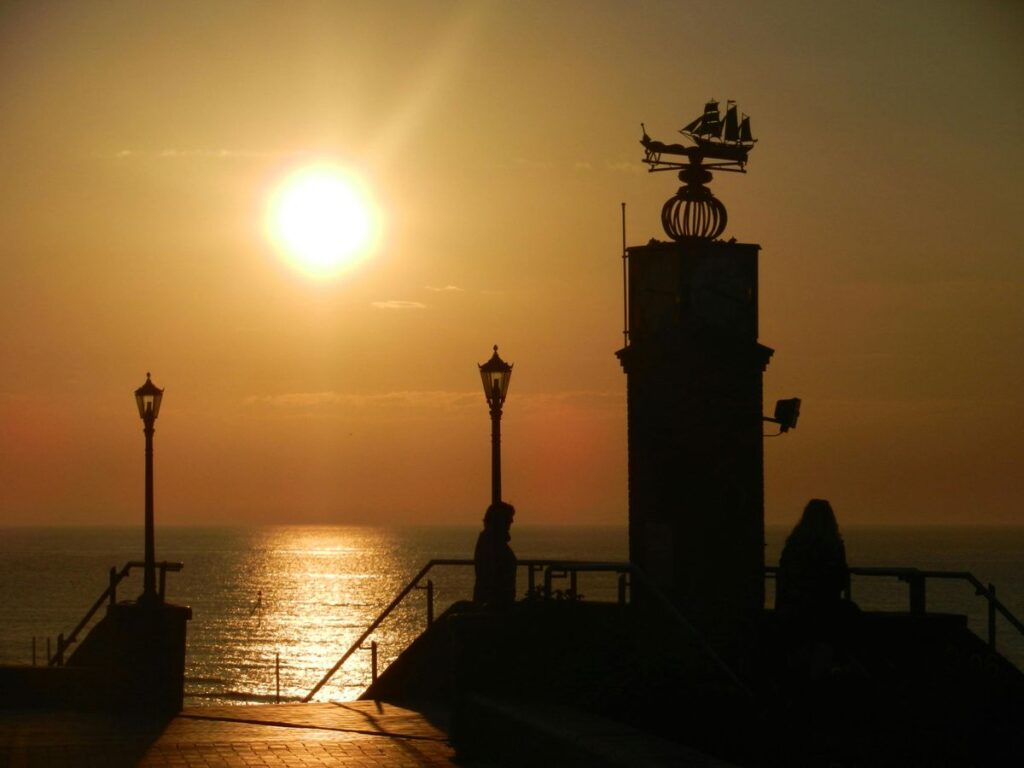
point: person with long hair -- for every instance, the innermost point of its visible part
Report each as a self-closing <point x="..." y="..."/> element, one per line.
<point x="813" y="574"/>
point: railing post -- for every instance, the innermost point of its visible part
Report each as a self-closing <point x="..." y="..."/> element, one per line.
<point x="530" y="581"/>
<point x="358" y="643"/>
<point x="373" y="660"/>
<point x="917" y="592"/>
<point x="430" y="603"/>
<point x="992" y="616"/>
<point x="163" y="580"/>
<point x="622" y="589"/>
<point x="547" y="583"/>
<point x="113" y="585"/>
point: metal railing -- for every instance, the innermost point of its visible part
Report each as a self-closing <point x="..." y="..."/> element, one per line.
<point x="413" y="584"/>
<point x="108" y="595"/>
<point x="550" y="571"/>
<point x="916" y="580"/>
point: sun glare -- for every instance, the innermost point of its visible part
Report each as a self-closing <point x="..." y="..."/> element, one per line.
<point x="323" y="221"/>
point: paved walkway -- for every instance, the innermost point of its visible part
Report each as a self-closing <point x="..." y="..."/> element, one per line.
<point x="362" y="734"/>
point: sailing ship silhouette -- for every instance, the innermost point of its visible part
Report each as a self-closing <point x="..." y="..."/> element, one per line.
<point x="729" y="140"/>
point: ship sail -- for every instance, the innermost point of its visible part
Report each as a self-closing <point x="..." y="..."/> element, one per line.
<point x="692" y="127"/>
<point x="727" y="140"/>
<point x="732" y="129"/>
<point x="745" y="134"/>
<point x="711" y="123"/>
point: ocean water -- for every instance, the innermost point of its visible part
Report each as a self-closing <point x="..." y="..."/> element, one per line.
<point x="278" y="605"/>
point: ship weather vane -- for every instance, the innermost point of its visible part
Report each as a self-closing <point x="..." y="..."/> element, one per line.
<point x="714" y="144"/>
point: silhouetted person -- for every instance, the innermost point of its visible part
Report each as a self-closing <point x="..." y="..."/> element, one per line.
<point x="812" y="570"/>
<point x="494" y="560"/>
<point x="819" y="626"/>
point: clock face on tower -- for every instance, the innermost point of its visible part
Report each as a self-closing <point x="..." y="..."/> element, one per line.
<point x="722" y="294"/>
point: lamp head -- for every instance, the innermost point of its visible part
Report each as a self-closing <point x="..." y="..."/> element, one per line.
<point x="495" y="375"/>
<point x="147" y="398"/>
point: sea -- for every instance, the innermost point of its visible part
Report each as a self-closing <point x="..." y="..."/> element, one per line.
<point x="275" y="607"/>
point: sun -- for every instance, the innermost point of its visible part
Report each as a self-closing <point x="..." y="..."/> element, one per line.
<point x="323" y="220"/>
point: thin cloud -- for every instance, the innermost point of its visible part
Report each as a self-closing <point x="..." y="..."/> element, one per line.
<point x="446" y="289"/>
<point x="434" y="399"/>
<point x="296" y="399"/>
<point x="445" y="400"/>
<point x="584" y="398"/>
<point x="214" y="154"/>
<point x="625" y="166"/>
<point x="398" y="304"/>
<point x="530" y="164"/>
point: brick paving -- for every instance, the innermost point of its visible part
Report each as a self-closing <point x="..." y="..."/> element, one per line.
<point x="362" y="734"/>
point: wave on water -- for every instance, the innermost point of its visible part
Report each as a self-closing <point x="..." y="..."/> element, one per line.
<point x="193" y="680"/>
<point x="240" y="697"/>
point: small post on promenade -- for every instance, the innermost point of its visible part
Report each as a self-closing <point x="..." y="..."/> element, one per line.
<point x="495" y="374"/>
<point x="148" y="398"/>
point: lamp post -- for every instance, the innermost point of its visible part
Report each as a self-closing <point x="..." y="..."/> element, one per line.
<point x="148" y="398"/>
<point x="495" y="374"/>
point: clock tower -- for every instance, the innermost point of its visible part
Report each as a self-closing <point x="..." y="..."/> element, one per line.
<point x="694" y="371"/>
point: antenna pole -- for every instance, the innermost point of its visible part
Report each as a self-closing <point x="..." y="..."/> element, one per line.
<point x="625" y="283"/>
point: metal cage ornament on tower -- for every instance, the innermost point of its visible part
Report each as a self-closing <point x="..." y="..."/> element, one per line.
<point x="694" y="212"/>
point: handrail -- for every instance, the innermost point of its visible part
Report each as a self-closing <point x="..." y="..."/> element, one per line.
<point x="989" y="593"/>
<point x="916" y="579"/>
<point x="551" y="567"/>
<point x="377" y="622"/>
<point x="109" y="593"/>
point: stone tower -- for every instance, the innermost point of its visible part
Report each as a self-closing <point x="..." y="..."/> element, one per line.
<point x="694" y="371"/>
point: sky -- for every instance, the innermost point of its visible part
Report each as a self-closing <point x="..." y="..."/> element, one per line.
<point x="141" y="143"/>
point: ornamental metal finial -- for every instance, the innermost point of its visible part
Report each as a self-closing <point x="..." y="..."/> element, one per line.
<point x="694" y="212"/>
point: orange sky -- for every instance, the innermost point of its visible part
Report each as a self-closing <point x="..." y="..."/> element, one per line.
<point x="140" y="143"/>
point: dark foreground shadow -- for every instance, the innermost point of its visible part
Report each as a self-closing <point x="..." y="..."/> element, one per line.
<point x="904" y="689"/>
<point x="55" y="737"/>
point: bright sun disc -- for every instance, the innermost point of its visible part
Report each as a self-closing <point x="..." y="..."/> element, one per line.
<point x="322" y="219"/>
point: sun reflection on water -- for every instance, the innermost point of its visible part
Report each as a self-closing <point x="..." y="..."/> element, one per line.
<point x="303" y="595"/>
